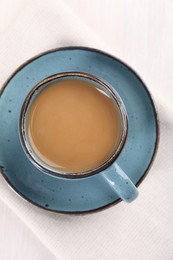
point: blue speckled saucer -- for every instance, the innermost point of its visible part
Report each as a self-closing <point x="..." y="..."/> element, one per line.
<point x="86" y="194"/>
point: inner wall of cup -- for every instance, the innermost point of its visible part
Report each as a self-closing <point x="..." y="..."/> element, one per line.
<point x="104" y="89"/>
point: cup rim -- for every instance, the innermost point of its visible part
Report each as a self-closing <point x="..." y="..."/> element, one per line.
<point x="32" y="156"/>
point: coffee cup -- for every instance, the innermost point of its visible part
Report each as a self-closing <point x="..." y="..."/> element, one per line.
<point x="74" y="125"/>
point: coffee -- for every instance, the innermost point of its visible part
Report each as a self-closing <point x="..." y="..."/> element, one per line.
<point x="73" y="126"/>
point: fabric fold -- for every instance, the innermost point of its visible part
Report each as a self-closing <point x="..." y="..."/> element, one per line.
<point x="141" y="230"/>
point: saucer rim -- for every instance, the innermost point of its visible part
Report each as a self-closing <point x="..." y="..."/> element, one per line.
<point x="157" y="121"/>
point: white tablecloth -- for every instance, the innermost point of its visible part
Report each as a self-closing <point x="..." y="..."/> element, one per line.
<point x="140" y="33"/>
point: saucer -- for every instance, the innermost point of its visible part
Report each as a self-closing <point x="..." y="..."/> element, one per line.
<point x="88" y="194"/>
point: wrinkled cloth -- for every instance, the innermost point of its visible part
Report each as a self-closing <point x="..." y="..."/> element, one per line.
<point x="140" y="230"/>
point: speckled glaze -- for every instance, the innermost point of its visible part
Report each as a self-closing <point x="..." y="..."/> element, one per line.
<point x="87" y="194"/>
<point x="120" y="182"/>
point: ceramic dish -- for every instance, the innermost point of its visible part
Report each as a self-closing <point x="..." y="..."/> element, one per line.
<point x="88" y="194"/>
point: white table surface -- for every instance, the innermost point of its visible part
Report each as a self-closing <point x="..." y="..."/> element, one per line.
<point x="139" y="32"/>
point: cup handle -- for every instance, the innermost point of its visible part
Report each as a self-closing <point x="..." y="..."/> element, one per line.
<point x="121" y="183"/>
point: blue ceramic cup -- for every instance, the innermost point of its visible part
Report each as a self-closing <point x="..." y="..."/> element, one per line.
<point x="119" y="181"/>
